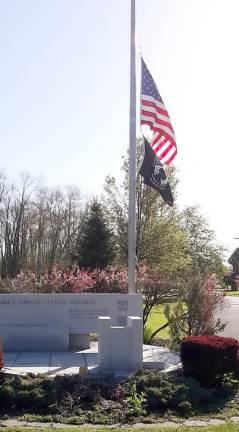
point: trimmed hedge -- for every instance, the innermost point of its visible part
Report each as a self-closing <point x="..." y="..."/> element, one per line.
<point x="1" y="355"/>
<point x="208" y="358"/>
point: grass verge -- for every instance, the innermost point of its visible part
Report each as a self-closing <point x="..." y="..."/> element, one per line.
<point x="231" y="293"/>
<point x="156" y="320"/>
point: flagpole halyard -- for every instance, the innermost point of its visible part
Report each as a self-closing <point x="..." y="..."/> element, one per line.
<point x="132" y="161"/>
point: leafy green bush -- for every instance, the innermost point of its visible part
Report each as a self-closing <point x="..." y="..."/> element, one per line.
<point x="227" y="386"/>
<point x="22" y="398"/>
<point x="150" y="378"/>
<point x="158" y="398"/>
<point x="6" y="393"/>
<point x="185" y="408"/>
<point x="135" y="400"/>
<point x="39" y="398"/>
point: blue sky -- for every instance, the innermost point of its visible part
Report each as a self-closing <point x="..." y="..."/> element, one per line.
<point x="64" y="89"/>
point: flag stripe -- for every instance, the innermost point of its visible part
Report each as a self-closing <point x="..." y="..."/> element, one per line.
<point x="159" y="128"/>
<point x="159" y="143"/>
<point x="159" y="108"/>
<point x="162" y="148"/>
<point x="157" y="138"/>
<point x="148" y="99"/>
<point x="170" y="159"/>
<point x="148" y="111"/>
<point x="166" y="150"/>
<point x="162" y="120"/>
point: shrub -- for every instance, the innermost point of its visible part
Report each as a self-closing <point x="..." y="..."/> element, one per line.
<point x="6" y="394"/>
<point x="185" y="408"/>
<point x="158" y="398"/>
<point x="228" y="386"/>
<point x="65" y="399"/>
<point x="178" y="393"/>
<point x="195" y="310"/>
<point x="1" y="355"/>
<point x="208" y="358"/>
<point x="196" y="394"/>
<point x="23" y="398"/>
<point x="38" y="398"/>
<point x="150" y="378"/>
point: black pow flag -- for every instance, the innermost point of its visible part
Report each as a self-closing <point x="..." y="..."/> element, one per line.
<point x="154" y="175"/>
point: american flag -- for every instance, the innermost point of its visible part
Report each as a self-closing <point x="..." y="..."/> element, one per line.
<point x="155" y="115"/>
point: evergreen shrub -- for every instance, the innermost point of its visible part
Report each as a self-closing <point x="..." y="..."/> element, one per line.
<point x="208" y="358"/>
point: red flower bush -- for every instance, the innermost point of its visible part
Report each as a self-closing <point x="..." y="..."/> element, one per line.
<point x="209" y="357"/>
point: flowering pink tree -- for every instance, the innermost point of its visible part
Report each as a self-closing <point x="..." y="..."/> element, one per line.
<point x="155" y="289"/>
<point x="74" y="280"/>
<point x="56" y="281"/>
<point x="112" y="279"/>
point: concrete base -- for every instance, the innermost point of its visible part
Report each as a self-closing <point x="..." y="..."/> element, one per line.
<point x="79" y="342"/>
<point x="68" y="363"/>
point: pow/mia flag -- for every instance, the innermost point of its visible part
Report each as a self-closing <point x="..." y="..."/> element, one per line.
<point x="154" y="175"/>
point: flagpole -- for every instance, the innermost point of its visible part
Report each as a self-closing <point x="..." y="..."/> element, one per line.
<point x="132" y="161"/>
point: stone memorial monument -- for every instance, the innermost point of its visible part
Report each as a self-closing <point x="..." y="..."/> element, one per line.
<point x="120" y="348"/>
<point x="61" y="322"/>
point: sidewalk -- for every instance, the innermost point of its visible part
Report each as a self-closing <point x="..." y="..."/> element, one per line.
<point x="187" y="423"/>
<point x="69" y="362"/>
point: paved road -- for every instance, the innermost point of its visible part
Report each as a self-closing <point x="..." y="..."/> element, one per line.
<point x="231" y="314"/>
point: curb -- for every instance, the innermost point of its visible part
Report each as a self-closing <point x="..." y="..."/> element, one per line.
<point x="166" y="424"/>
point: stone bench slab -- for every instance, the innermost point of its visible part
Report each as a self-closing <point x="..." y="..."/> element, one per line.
<point x="34" y="338"/>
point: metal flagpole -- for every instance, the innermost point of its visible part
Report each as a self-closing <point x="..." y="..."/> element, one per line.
<point x="132" y="161"/>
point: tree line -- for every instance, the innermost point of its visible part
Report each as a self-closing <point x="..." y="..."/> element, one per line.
<point x="41" y="227"/>
<point x="54" y="240"/>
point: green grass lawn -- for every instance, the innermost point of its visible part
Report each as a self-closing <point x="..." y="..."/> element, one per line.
<point x="233" y="294"/>
<point x="156" y="320"/>
<point x="228" y="427"/>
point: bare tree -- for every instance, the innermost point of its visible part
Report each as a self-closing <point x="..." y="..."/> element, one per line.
<point x="14" y="205"/>
<point x="38" y="226"/>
